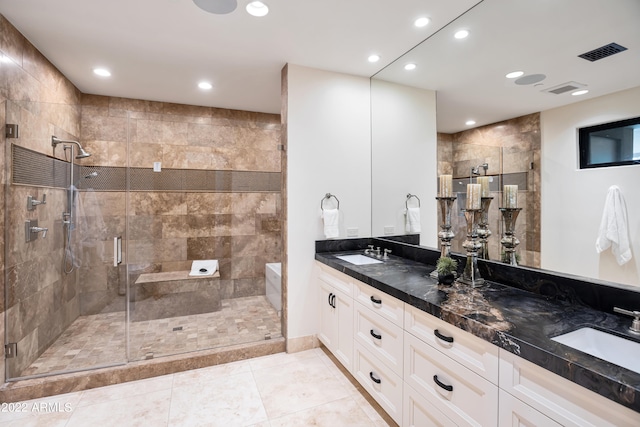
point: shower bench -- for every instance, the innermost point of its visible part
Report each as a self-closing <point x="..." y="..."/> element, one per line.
<point x="173" y="294"/>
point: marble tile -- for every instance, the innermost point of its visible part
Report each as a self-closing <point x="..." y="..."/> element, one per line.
<point x="119" y="391"/>
<point x="279" y="359"/>
<point x="346" y="410"/>
<point x="150" y="409"/>
<point x="201" y="377"/>
<point x="235" y="400"/>
<point x="306" y="385"/>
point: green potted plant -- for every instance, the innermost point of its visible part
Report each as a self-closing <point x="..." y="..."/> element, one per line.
<point x="446" y="268"/>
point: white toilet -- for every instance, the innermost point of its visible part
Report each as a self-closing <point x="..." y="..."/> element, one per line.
<point x="273" y="275"/>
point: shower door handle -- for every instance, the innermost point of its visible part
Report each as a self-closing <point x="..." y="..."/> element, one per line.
<point x="117" y="251"/>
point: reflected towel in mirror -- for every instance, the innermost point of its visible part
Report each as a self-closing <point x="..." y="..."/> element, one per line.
<point x="614" y="230"/>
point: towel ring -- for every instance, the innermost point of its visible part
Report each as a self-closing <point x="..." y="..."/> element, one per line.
<point x="406" y="203"/>
<point x="326" y="197"/>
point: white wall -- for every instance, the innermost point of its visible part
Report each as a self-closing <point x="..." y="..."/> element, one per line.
<point x="404" y="157"/>
<point x="573" y="199"/>
<point x="329" y="151"/>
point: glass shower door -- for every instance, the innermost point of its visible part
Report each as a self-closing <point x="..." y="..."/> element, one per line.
<point x="64" y="299"/>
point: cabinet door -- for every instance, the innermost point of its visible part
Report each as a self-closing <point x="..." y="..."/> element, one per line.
<point x="343" y="313"/>
<point x="418" y="412"/>
<point x="328" y="329"/>
<point x="462" y="395"/>
<point x="515" y="413"/>
<point x="336" y="323"/>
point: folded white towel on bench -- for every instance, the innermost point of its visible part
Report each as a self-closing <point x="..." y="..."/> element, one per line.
<point x="206" y="267"/>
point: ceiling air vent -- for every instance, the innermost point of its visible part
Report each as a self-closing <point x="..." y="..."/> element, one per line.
<point x="564" y="87"/>
<point x="603" y="52"/>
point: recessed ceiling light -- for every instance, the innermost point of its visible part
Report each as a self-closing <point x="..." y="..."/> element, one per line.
<point x="374" y="58"/>
<point x="102" y="72"/>
<point x="470" y="122"/>
<point x="421" y="22"/>
<point x="514" y="74"/>
<point x="205" y="85"/>
<point x="5" y="59"/>
<point x="410" y="67"/>
<point x="580" y="92"/>
<point x="257" y="8"/>
<point x="461" y="34"/>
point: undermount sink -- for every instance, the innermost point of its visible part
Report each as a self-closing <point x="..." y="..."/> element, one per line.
<point x="612" y="348"/>
<point x="358" y="259"/>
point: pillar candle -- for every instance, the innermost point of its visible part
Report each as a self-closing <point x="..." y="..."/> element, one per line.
<point x="484" y="183"/>
<point x="473" y="196"/>
<point x="446" y="186"/>
<point x="510" y="196"/>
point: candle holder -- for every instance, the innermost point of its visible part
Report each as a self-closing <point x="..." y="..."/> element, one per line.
<point x="483" y="228"/>
<point x="471" y="275"/>
<point x="445" y="234"/>
<point x="509" y="241"/>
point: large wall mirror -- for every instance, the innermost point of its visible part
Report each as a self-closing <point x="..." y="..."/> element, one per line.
<point x="465" y="79"/>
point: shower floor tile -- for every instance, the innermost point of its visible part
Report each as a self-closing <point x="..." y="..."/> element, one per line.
<point x="99" y="340"/>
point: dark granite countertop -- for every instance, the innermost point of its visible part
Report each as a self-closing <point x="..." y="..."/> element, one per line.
<point x="513" y="319"/>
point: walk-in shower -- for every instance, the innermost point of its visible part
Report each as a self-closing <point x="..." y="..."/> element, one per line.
<point x="69" y="305"/>
<point x="68" y="217"/>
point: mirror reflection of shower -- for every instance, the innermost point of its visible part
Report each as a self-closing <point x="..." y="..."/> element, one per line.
<point x="68" y="263"/>
<point x="476" y="171"/>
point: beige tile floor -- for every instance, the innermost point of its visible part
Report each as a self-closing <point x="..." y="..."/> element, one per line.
<point x="99" y="340"/>
<point x="297" y="390"/>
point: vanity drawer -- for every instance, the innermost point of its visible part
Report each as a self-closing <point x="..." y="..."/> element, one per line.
<point x="470" y="351"/>
<point x="381" y="383"/>
<point x="385" y="305"/>
<point x="565" y="402"/>
<point x="418" y="412"/>
<point x="463" y="396"/>
<point x="379" y="336"/>
<point x="333" y="277"/>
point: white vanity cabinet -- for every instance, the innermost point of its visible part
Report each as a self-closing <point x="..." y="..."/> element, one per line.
<point x="336" y="313"/>
<point x="426" y="372"/>
<point x="557" y="398"/>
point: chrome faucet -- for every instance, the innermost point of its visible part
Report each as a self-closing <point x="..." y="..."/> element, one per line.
<point x="42" y="230"/>
<point x="369" y="250"/>
<point x="386" y="254"/>
<point x="635" y="325"/>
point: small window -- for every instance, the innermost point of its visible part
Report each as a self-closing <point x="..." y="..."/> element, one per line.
<point x="610" y="144"/>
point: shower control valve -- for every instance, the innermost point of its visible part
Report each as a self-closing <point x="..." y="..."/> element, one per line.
<point x="32" y="203"/>
<point x="31" y="230"/>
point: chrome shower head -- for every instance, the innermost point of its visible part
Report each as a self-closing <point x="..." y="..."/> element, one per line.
<point x="82" y="152"/>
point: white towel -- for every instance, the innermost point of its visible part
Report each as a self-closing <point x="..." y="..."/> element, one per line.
<point x="613" y="227"/>
<point x="205" y="267"/>
<point x="331" y="219"/>
<point x="412" y="223"/>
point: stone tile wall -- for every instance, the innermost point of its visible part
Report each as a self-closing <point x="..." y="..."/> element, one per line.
<point x="166" y="229"/>
<point x="40" y="301"/>
<point x="508" y="147"/>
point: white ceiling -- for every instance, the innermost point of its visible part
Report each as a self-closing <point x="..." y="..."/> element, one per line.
<point x="160" y="49"/>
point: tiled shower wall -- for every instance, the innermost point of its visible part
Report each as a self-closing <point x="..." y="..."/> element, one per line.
<point x="509" y="147"/>
<point x="241" y="228"/>
<point x="40" y="302"/>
